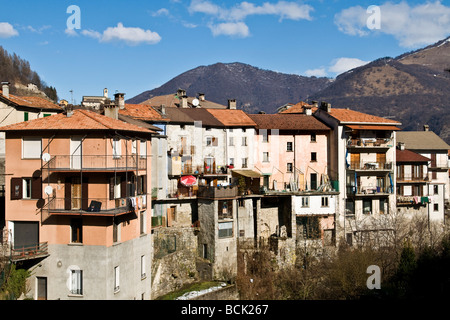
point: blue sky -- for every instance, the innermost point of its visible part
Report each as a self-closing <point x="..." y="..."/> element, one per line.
<point x="135" y="45"/>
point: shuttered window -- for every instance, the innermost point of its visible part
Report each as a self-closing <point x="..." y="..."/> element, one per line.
<point x="31" y="148"/>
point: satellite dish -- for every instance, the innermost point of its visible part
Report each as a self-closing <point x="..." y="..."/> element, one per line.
<point x="195" y="102"/>
<point x="46" y="157"/>
<point x="48" y="190"/>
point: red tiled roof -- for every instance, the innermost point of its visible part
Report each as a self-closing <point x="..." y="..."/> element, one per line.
<point x="80" y="120"/>
<point x="232" y="117"/>
<point x="32" y="102"/>
<point x="409" y="156"/>
<point x="352" y="116"/>
<point x="287" y="122"/>
<point x="299" y="108"/>
<point x="142" y="112"/>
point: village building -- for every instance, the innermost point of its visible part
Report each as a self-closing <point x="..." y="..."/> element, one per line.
<point x="77" y="211"/>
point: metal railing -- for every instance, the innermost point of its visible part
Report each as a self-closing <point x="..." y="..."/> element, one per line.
<point x="423" y="177"/>
<point x="96" y="162"/>
<point x="368" y="190"/>
<point x="29" y="252"/>
<point x="217" y="192"/>
<point x="95" y="205"/>
<point x="371" y="166"/>
<point x="370" y="142"/>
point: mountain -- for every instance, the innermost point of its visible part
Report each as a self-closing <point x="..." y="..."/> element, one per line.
<point x="254" y="89"/>
<point x="413" y="88"/>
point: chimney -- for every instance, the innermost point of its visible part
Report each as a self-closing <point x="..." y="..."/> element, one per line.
<point x="426" y="128"/>
<point x="401" y="146"/>
<point x="325" y="106"/>
<point x="105" y="93"/>
<point x="315" y="104"/>
<point x="201" y="96"/>
<point x="181" y="93"/>
<point x="307" y="110"/>
<point x="5" y="89"/>
<point x="232" y="104"/>
<point x="163" y="109"/>
<point x="119" y="99"/>
<point x="183" y="101"/>
<point x="111" y="110"/>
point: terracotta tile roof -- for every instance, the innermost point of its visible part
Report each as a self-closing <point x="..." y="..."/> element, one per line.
<point x="299" y="108"/>
<point x="409" y="156"/>
<point x="31" y="102"/>
<point x="352" y="116"/>
<point x="142" y="112"/>
<point x="203" y="115"/>
<point x="232" y="117"/>
<point x="288" y="122"/>
<point x="80" y="120"/>
<point x="422" y="140"/>
<point x="172" y="101"/>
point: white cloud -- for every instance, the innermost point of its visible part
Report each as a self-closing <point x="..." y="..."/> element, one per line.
<point x="131" y="36"/>
<point x="92" y="34"/>
<point x="412" y="26"/>
<point x="237" y="29"/>
<point x="7" y="30"/>
<point x="319" y="72"/>
<point x="161" y="12"/>
<point x="71" y="32"/>
<point x="232" y="19"/>
<point x="342" y="65"/>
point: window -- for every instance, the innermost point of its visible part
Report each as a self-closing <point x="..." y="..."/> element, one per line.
<point x="26" y="188"/>
<point x="76" y="226"/>
<point x="143" y="224"/>
<point x="435" y="189"/>
<point x="142" y="149"/>
<point x="265" y="157"/>
<point x="231" y="162"/>
<point x="46" y="115"/>
<point x="244" y="141"/>
<point x="133" y="146"/>
<point x="116" y="148"/>
<point x="208" y="128"/>
<point x="183" y="127"/>
<point x="76" y="282"/>
<point x="265" y="135"/>
<point x="289" y="167"/>
<point x="310" y="226"/>
<point x="225" y="229"/>
<point x="289" y="146"/>
<point x="116" y="230"/>
<point x="313" y="181"/>
<point x="211" y="142"/>
<point x="116" y="279"/>
<point x="231" y="141"/>
<point x="436" y="207"/>
<point x="225" y="209"/>
<point x="244" y="163"/>
<point x="305" y="202"/>
<point x="382" y="206"/>
<point x="313" y="156"/>
<point x="349" y="207"/>
<point x="367" y="206"/>
<point x="25" y="116"/>
<point x="313" y="137"/>
<point x="143" y="268"/>
<point x="31" y="148"/>
<point x="324" y="201"/>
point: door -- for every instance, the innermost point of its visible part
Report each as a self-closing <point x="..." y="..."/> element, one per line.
<point x="381" y="160"/>
<point x="75" y="153"/>
<point x="76" y="193"/>
<point x="41" y="288"/>
<point x="355" y="160"/>
<point x="313" y="181"/>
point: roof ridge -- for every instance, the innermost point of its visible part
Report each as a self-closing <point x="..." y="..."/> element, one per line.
<point x="89" y="116"/>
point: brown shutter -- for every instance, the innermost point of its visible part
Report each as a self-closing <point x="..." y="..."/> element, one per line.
<point x="36" y="188"/>
<point x="123" y="188"/>
<point x="85" y="194"/>
<point x="68" y="193"/>
<point x="16" y="188"/>
<point x="144" y="184"/>
<point x="111" y="188"/>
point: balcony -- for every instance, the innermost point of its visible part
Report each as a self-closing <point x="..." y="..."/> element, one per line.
<point x="96" y="163"/>
<point x="35" y="251"/>
<point x="375" y="143"/>
<point x="368" y="191"/>
<point x="94" y="206"/>
<point x="412" y="178"/>
<point x="413" y="200"/>
<point x="224" y="192"/>
<point x="371" y="166"/>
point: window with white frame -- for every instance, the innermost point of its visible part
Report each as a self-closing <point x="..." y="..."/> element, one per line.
<point x="289" y="146"/>
<point x="231" y="141"/>
<point x="116" y="279"/>
<point x="76" y="281"/>
<point x="305" y="202"/>
<point x="143" y="268"/>
<point x="142" y="149"/>
<point x="244" y="163"/>
<point x="117" y="150"/>
<point x="26" y="188"/>
<point x="244" y="141"/>
<point x="265" y="157"/>
<point x="225" y="229"/>
<point x="324" y="201"/>
<point x="31" y="148"/>
<point x="289" y="167"/>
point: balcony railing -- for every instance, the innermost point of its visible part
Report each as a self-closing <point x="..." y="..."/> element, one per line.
<point x="371" y="166"/>
<point x="225" y="192"/>
<point x="370" y="142"/>
<point x="29" y="252"/>
<point x="94" y="206"/>
<point x="412" y="178"/>
<point x="96" y="162"/>
<point x="368" y="190"/>
<point x="413" y="200"/>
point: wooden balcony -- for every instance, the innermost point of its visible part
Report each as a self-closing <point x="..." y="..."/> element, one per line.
<point x="95" y="163"/>
<point x="35" y="251"/>
<point x="224" y="192"/>
<point x="371" y="166"/>
<point x="375" y="143"/>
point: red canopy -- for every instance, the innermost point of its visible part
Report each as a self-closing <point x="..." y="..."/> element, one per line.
<point x="188" y="181"/>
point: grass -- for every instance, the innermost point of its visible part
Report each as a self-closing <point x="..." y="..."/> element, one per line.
<point x="188" y="288"/>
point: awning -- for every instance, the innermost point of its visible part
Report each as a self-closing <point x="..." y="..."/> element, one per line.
<point x="372" y="127"/>
<point x="188" y="181"/>
<point x="247" y="173"/>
